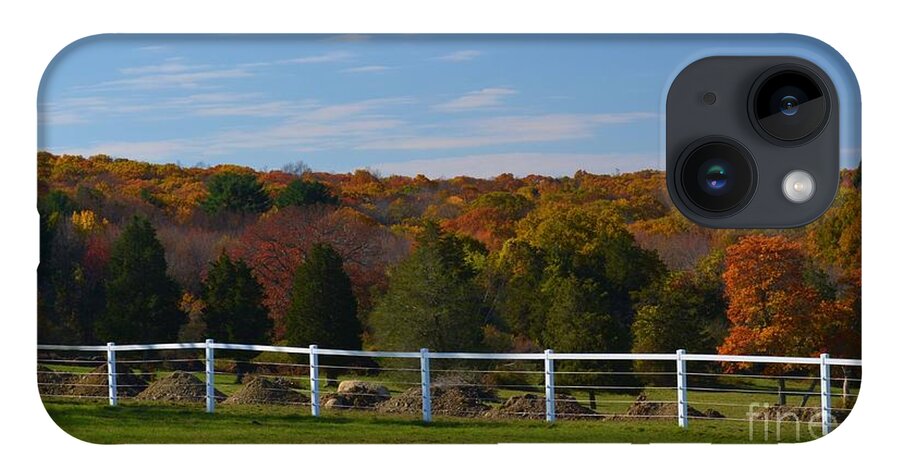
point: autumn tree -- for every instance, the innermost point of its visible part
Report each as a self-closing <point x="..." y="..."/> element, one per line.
<point x="70" y="273"/>
<point x="431" y="301"/>
<point x="232" y="306"/>
<point x="141" y="299"/>
<point x="235" y="192"/>
<point x="276" y="245"/>
<point x="323" y="309"/>
<point x="492" y="218"/>
<point x="305" y="192"/>
<point x="772" y="310"/>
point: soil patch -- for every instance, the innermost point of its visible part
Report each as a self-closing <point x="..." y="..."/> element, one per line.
<point x="261" y="390"/>
<point x="53" y="383"/>
<point x="534" y="407"/>
<point x="646" y="409"/>
<point x="180" y="386"/>
<point x="93" y="383"/>
<point x="455" y="401"/>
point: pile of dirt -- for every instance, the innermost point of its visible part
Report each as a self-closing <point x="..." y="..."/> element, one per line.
<point x="356" y="394"/>
<point x="534" y="407"/>
<point x="180" y="386"/>
<point x="787" y="413"/>
<point x="261" y="390"/>
<point x="53" y="383"/>
<point x="445" y="400"/>
<point x="93" y="383"/>
<point x="645" y="409"/>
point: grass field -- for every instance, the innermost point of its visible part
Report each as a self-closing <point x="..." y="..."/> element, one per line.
<point x="146" y="423"/>
<point x="136" y="421"/>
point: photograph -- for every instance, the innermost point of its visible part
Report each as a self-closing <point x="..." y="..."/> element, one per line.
<point x="454" y="238"/>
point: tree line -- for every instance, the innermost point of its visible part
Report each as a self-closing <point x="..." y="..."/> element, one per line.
<point x="584" y="263"/>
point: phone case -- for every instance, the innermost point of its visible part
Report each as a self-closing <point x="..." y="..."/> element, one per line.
<point x="403" y="238"/>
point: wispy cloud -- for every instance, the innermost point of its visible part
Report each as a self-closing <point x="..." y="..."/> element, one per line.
<point x="520" y="164"/>
<point x="308" y="128"/>
<point x="168" y="67"/>
<point x="168" y="75"/>
<point x="152" y="48"/>
<point x="483" y="98"/>
<point x="460" y="55"/>
<point x="375" y="68"/>
<point x="503" y="130"/>
<point x="330" y="57"/>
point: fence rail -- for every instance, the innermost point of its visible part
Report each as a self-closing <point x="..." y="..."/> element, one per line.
<point x="680" y="358"/>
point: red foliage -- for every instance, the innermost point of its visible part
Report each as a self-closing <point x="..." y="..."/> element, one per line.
<point x="278" y="243"/>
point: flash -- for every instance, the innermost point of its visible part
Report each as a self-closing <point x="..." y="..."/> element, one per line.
<point x="798" y="186"/>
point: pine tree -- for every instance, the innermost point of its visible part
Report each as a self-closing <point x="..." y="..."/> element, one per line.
<point x="323" y="307"/>
<point x="234" y="192"/>
<point x="233" y="308"/>
<point x="141" y="299"/>
<point x="305" y="192"/>
<point x="431" y="301"/>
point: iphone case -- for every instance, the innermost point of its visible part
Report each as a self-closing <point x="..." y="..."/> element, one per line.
<point x="402" y="238"/>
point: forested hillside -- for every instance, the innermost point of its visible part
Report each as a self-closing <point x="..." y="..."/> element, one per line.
<point x="140" y="252"/>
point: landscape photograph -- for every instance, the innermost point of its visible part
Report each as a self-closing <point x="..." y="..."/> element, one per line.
<point x="403" y="239"/>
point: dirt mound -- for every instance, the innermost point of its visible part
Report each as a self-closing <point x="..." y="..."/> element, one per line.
<point x="261" y="390"/>
<point x="180" y="386"/>
<point x="53" y="383"/>
<point x="445" y="400"/>
<point x="787" y="413"/>
<point x="643" y="408"/>
<point x="534" y="407"/>
<point x="356" y="394"/>
<point x="93" y="383"/>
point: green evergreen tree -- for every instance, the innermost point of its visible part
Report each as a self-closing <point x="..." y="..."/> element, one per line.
<point x="234" y="192"/>
<point x="323" y="307"/>
<point x="233" y="309"/>
<point x="305" y="192"/>
<point x="141" y="299"/>
<point x="431" y="300"/>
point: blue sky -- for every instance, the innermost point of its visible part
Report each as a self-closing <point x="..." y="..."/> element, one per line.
<point x="440" y="106"/>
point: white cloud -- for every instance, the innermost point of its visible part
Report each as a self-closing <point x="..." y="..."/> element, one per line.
<point x="503" y="130"/>
<point x="487" y="97"/>
<point x="168" y="67"/>
<point x="520" y="164"/>
<point x="375" y="68"/>
<point x="186" y="78"/>
<point x="461" y="55"/>
<point x="330" y="57"/>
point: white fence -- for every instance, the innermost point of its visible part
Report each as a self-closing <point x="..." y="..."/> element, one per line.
<point x="680" y="358"/>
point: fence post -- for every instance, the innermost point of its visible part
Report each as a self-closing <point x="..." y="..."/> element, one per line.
<point x="825" y="384"/>
<point x="426" y="386"/>
<point x="210" y="377"/>
<point x="549" y="390"/>
<point x="314" y="380"/>
<point x="681" y="388"/>
<point x="111" y="373"/>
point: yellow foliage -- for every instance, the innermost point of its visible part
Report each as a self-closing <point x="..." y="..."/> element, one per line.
<point x="86" y="221"/>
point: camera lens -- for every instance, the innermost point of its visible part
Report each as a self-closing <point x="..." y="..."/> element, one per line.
<point x="717" y="176"/>
<point x="789" y="104"/>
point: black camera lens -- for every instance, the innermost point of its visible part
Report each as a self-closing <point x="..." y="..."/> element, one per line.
<point x="789" y="104"/>
<point x="716" y="175"/>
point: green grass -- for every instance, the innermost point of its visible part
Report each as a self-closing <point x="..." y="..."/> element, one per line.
<point x="141" y="422"/>
<point x="155" y="423"/>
